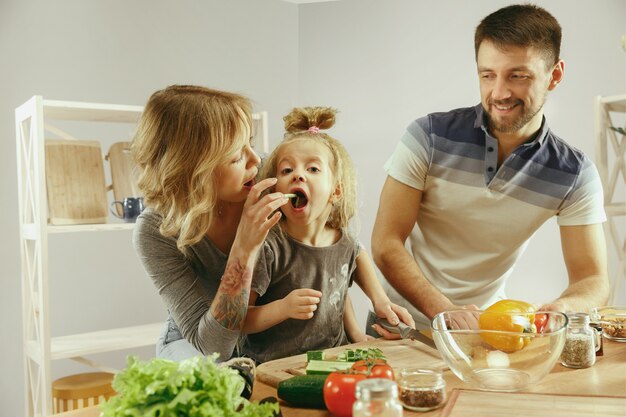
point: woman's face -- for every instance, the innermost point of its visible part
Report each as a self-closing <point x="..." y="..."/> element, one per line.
<point x="236" y="176"/>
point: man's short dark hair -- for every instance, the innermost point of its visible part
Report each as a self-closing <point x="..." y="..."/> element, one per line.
<point x="523" y="25"/>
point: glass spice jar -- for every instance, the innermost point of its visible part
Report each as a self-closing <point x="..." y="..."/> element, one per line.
<point x="580" y="348"/>
<point x="597" y="326"/>
<point x="377" y="397"/>
<point x="421" y="389"/>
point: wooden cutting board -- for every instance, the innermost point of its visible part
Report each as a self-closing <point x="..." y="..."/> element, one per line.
<point x="75" y="182"/>
<point x="124" y="173"/>
<point x="400" y="354"/>
<point x="473" y="403"/>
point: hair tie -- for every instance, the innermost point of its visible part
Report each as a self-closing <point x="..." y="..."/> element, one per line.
<point x="314" y="129"/>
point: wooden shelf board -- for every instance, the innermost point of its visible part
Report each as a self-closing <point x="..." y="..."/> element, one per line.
<point x="30" y="232"/>
<point x="616" y="209"/>
<point x="615" y="103"/>
<point x="65" y="347"/>
<point x="96" y="112"/>
<point x="98" y="227"/>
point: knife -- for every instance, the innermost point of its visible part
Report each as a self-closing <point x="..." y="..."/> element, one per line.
<point x="406" y="332"/>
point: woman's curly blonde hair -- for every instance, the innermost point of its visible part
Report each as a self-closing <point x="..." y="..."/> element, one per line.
<point x="183" y="135"/>
<point x="304" y="123"/>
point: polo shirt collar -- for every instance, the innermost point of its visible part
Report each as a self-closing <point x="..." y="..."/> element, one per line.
<point x="480" y="123"/>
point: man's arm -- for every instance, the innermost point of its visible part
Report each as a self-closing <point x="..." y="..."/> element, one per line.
<point x="584" y="253"/>
<point x="398" y="209"/>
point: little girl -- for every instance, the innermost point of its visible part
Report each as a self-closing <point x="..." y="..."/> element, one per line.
<point x="300" y="301"/>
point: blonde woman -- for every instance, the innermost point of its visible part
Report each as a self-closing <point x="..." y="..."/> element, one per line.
<point x="310" y="259"/>
<point x="205" y="220"/>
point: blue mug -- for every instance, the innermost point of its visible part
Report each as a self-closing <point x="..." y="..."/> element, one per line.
<point x="131" y="207"/>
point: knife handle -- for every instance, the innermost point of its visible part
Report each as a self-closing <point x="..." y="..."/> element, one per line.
<point x="388" y="326"/>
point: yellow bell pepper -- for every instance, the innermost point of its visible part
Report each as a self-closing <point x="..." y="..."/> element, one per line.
<point x="493" y="319"/>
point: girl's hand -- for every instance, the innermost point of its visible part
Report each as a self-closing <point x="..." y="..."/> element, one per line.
<point x="259" y="216"/>
<point x="386" y="334"/>
<point x="404" y="315"/>
<point x="394" y="314"/>
<point x="362" y="337"/>
<point x="301" y="303"/>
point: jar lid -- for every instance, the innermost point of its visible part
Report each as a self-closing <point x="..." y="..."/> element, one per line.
<point x="579" y="318"/>
<point x="376" y="388"/>
<point x="420" y="378"/>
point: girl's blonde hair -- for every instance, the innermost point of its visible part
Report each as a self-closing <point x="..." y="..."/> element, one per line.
<point x="304" y="123"/>
<point x="183" y="135"/>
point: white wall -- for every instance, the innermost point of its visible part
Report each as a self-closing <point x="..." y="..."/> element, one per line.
<point x="119" y="52"/>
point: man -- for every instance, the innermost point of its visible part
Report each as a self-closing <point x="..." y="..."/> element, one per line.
<point x="469" y="187"/>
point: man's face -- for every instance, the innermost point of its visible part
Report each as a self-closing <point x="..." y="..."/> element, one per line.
<point x="514" y="82"/>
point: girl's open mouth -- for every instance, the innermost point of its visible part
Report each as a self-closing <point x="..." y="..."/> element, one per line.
<point x="300" y="200"/>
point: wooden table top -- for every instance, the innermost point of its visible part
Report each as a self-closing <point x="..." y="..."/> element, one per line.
<point x="606" y="377"/>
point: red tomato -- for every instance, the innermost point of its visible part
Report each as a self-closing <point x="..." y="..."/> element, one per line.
<point x="339" y="391"/>
<point x="374" y="369"/>
<point x="540" y="321"/>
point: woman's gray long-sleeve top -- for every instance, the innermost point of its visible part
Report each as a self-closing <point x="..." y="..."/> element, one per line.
<point x="187" y="285"/>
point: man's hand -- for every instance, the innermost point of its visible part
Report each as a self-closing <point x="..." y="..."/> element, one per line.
<point x="553" y="306"/>
<point x="466" y="319"/>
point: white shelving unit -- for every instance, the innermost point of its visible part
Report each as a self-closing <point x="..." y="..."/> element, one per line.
<point x="40" y="347"/>
<point x="610" y="160"/>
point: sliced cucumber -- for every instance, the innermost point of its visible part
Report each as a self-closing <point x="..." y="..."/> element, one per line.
<point x="315" y="367"/>
<point x="353" y="355"/>
<point x="317" y="355"/>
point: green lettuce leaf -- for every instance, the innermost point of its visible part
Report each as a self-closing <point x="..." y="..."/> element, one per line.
<point x="196" y="387"/>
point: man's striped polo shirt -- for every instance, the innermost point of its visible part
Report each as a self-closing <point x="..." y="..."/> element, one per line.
<point x="476" y="217"/>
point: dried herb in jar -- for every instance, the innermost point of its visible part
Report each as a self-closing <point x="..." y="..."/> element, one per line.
<point x="421" y="389"/>
<point x="422" y="398"/>
<point x="579" y="350"/>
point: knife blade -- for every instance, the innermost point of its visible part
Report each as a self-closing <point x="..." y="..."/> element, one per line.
<point x="406" y="332"/>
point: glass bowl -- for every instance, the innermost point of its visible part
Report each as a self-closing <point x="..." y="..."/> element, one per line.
<point x="613" y="321"/>
<point x="498" y="360"/>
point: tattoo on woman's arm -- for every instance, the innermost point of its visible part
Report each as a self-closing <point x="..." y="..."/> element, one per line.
<point x="231" y="303"/>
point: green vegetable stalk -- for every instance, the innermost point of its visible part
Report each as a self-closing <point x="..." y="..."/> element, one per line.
<point x="195" y="387"/>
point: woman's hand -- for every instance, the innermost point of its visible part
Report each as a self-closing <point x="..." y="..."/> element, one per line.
<point x="259" y="216"/>
<point x="230" y="305"/>
<point x="301" y="303"/>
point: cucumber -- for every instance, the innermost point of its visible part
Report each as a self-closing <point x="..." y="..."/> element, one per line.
<point x="317" y="355"/>
<point x="306" y="391"/>
<point x="314" y="367"/>
<point x="353" y="355"/>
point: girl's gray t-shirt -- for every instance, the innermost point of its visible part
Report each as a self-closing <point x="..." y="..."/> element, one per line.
<point x="187" y="285"/>
<point x="285" y="265"/>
